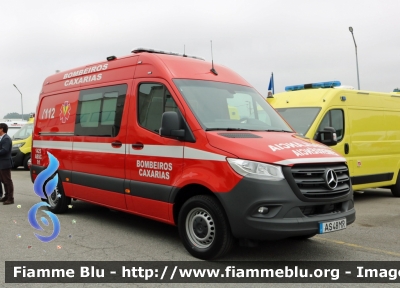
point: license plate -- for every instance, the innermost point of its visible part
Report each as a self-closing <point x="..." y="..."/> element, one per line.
<point x="326" y="227"/>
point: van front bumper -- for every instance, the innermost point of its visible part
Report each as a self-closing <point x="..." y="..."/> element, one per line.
<point x="287" y="215"/>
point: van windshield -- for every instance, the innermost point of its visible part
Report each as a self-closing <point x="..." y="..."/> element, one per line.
<point x="24" y="132"/>
<point x="300" y="118"/>
<point x="224" y="106"/>
<point x="12" y="130"/>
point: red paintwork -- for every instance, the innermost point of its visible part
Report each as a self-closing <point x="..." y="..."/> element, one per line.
<point x="131" y="70"/>
<point x="257" y="149"/>
<point x="157" y="210"/>
<point x="98" y="196"/>
<point x="217" y="176"/>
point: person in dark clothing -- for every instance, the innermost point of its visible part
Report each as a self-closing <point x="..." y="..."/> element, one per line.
<point x="6" y="164"/>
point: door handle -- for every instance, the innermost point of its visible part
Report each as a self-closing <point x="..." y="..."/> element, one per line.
<point x="116" y="144"/>
<point x="346" y="148"/>
<point x="137" y="146"/>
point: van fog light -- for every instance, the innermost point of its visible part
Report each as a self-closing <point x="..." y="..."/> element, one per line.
<point x="263" y="210"/>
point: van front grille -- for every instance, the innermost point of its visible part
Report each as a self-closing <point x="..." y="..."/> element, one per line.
<point x="321" y="209"/>
<point x="312" y="180"/>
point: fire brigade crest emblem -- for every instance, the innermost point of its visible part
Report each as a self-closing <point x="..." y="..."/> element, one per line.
<point x="65" y="111"/>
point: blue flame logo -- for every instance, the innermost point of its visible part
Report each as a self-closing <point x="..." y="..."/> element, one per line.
<point x="44" y="175"/>
<point x="49" y="188"/>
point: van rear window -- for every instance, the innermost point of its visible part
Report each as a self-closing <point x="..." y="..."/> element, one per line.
<point x="100" y="111"/>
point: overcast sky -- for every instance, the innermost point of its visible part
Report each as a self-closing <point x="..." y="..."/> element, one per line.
<point x="299" y="41"/>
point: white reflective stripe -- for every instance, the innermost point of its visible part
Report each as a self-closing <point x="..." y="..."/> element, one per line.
<point x="162" y="151"/>
<point x="310" y="160"/>
<point x="63" y="145"/>
<point x="175" y="152"/>
<point x="191" y="153"/>
<point x="79" y="146"/>
<point x="158" y="151"/>
<point x="148" y="150"/>
<point x="98" y="147"/>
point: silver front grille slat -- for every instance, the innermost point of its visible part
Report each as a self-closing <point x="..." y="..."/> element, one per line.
<point x="311" y="182"/>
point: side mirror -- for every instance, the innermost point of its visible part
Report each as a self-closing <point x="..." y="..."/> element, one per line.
<point x="171" y="125"/>
<point x="327" y="136"/>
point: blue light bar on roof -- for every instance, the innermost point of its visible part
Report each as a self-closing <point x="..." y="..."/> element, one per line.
<point x="396" y="90"/>
<point x="327" y="84"/>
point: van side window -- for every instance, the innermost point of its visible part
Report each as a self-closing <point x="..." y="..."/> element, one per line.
<point x="153" y="100"/>
<point x="100" y="111"/>
<point x="334" y="118"/>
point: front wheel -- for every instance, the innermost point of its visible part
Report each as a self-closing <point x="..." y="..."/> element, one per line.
<point x="204" y="228"/>
<point x="57" y="200"/>
<point x="26" y="162"/>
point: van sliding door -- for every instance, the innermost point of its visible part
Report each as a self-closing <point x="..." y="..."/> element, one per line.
<point x="99" y="145"/>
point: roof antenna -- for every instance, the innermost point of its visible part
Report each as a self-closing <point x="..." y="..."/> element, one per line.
<point x="212" y="62"/>
<point x="184" y="53"/>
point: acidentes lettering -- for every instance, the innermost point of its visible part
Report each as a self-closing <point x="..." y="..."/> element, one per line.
<point x="291" y="145"/>
<point x="313" y="151"/>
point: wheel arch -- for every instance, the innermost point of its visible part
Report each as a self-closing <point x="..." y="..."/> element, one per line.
<point x="180" y="195"/>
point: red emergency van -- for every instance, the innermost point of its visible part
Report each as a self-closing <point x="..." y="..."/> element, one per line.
<point x="179" y="140"/>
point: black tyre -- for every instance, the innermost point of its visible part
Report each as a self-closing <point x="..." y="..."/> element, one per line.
<point x="14" y="166"/>
<point x="396" y="187"/>
<point x="204" y="228"/>
<point x="58" y="201"/>
<point x="26" y="160"/>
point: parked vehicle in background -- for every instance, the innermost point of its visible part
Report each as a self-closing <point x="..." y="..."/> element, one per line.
<point x="22" y="145"/>
<point x="13" y="126"/>
<point x="179" y="140"/>
<point x="367" y="125"/>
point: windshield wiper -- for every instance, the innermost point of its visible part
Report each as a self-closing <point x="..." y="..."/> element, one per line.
<point x="273" y="130"/>
<point x="229" y="129"/>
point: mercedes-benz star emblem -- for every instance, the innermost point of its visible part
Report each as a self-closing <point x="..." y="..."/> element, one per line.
<point x="331" y="179"/>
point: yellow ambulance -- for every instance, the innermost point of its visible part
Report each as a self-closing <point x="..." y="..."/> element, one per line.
<point x="22" y="145"/>
<point x="367" y="127"/>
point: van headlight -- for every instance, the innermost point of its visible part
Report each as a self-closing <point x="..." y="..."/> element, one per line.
<point x="18" y="145"/>
<point x="256" y="170"/>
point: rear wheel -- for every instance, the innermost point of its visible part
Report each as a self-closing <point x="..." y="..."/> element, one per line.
<point x="58" y="201"/>
<point x="204" y="228"/>
<point x="396" y="187"/>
